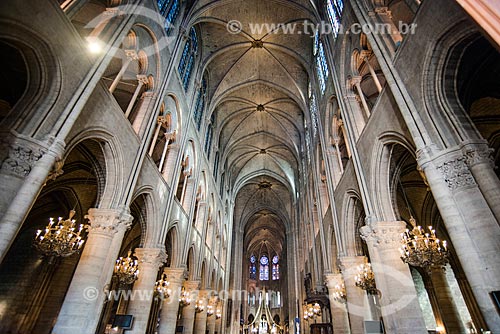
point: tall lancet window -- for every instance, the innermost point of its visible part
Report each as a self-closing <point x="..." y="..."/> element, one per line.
<point x="253" y="268"/>
<point x="186" y="63"/>
<point x="334" y="9"/>
<point x="276" y="268"/>
<point x="264" y="268"/>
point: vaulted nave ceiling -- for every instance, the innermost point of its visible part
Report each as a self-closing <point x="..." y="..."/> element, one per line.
<point x="257" y="88"/>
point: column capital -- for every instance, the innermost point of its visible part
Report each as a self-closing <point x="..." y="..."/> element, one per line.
<point x="355" y="80"/>
<point x="175" y="275"/>
<point x="478" y="153"/>
<point x="192" y="285"/>
<point x="151" y="256"/>
<point x="456" y="173"/>
<point x="349" y="264"/>
<point x="332" y="280"/>
<point x="109" y="221"/>
<point x="385" y="234"/>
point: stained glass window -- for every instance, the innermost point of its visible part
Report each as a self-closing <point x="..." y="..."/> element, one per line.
<point x="163" y="6"/>
<point x="264" y="268"/>
<point x="276" y="268"/>
<point x="186" y="63"/>
<point x="172" y="14"/>
<point x="209" y="135"/>
<point x="200" y="104"/>
<point x="322" y="70"/>
<point x="334" y="9"/>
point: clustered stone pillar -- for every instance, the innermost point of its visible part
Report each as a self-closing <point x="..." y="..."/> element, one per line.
<point x="81" y="310"/>
<point x="149" y="260"/>
<point x="340" y="318"/>
<point x="170" y="306"/>
<point x="200" y="322"/>
<point x="447" y="307"/>
<point x="469" y="221"/>
<point x="399" y="304"/>
<point x="356" y="297"/>
<point x="188" y="311"/>
<point x="211" y="319"/>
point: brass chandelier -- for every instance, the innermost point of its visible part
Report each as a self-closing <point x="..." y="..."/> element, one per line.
<point x="339" y="293"/>
<point x="60" y="239"/>
<point x="126" y="269"/>
<point x="184" y="298"/>
<point x="162" y="286"/>
<point x="311" y="311"/>
<point x="423" y="249"/>
<point x="365" y="279"/>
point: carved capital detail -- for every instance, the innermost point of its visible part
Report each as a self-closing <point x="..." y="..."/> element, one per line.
<point x="151" y="256"/>
<point x="20" y="157"/>
<point x="108" y="221"/>
<point x="332" y="280"/>
<point x="384" y="234"/>
<point x="456" y="173"/>
<point x="476" y="156"/>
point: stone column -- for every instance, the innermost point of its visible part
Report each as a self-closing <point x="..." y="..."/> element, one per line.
<point x="365" y="56"/>
<point x="142" y="80"/>
<point x="211" y="323"/>
<point x="129" y="56"/>
<point x="169" y="169"/>
<point x="170" y="306"/>
<point x="385" y="16"/>
<point x="200" y="322"/>
<point x="470" y="223"/>
<point x="356" y="297"/>
<point x="358" y="122"/>
<point x="24" y="169"/>
<point x="340" y="318"/>
<point x="399" y="304"/>
<point x="143" y="108"/>
<point x="85" y="298"/>
<point x="447" y="307"/>
<point x="149" y="259"/>
<point x="356" y="82"/>
<point x="481" y="164"/>
<point x="188" y="311"/>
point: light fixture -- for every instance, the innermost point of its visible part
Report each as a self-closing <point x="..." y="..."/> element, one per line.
<point x="339" y="293"/>
<point x="210" y="310"/>
<point x="311" y="311"/>
<point x="94" y="45"/>
<point x="365" y="279"/>
<point x="218" y="313"/>
<point x="60" y="239"/>
<point x="420" y="248"/>
<point x="423" y="249"/>
<point x="126" y="269"/>
<point x="184" y="298"/>
<point x="162" y="286"/>
<point x="199" y="306"/>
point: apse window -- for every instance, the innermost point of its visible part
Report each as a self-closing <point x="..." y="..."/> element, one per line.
<point x="253" y="269"/>
<point x="276" y="268"/>
<point x="264" y="268"/>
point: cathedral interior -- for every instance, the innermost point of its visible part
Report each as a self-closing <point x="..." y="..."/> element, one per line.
<point x="250" y="166"/>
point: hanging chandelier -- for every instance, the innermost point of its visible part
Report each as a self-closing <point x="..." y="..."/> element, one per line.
<point x="311" y="311"/>
<point x="218" y="313"/>
<point x="162" y="286"/>
<point x="184" y="298"/>
<point x="199" y="306"/>
<point x="126" y="269"/>
<point x="210" y="310"/>
<point x="60" y="239"/>
<point x="339" y="293"/>
<point x="423" y="249"/>
<point x="365" y="279"/>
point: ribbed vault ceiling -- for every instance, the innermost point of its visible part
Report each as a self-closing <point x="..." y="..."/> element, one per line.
<point x="257" y="85"/>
